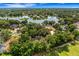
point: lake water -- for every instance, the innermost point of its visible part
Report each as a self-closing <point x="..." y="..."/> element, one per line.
<point x="50" y="18"/>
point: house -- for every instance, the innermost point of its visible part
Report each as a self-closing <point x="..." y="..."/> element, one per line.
<point x="77" y="26"/>
<point x="51" y="29"/>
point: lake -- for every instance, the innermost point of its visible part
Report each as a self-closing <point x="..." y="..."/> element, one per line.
<point x="50" y="18"/>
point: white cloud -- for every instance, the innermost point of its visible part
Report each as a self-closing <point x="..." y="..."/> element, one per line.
<point x="15" y="5"/>
<point x="32" y="1"/>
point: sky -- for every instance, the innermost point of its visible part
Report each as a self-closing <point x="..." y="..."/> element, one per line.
<point x="39" y="5"/>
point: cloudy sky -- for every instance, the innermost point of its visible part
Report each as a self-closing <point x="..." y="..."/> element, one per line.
<point x="39" y="5"/>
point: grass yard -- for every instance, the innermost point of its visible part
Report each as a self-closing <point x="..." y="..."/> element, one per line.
<point x="73" y="50"/>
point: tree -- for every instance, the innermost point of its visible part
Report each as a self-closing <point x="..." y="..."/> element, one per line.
<point x="27" y="48"/>
<point x="76" y="33"/>
<point x="51" y="40"/>
<point x="5" y="34"/>
<point x="24" y="21"/>
<point x="24" y="37"/>
<point x="39" y="46"/>
<point x="71" y="27"/>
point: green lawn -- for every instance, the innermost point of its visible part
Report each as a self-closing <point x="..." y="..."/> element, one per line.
<point x="73" y="50"/>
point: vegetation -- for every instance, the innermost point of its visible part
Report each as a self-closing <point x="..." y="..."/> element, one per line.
<point x="47" y="38"/>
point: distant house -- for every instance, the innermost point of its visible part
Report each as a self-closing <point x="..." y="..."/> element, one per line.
<point x="13" y="26"/>
<point x="51" y="29"/>
<point x="77" y="25"/>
